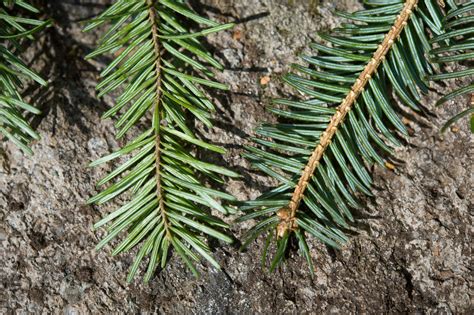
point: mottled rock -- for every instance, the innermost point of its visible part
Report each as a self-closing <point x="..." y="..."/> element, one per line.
<point x="411" y="253"/>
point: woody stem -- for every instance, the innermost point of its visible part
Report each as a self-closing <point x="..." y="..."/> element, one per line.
<point x="157" y="48"/>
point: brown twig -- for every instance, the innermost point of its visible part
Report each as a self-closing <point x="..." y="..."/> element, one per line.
<point x="288" y="214"/>
<point x="158" y="52"/>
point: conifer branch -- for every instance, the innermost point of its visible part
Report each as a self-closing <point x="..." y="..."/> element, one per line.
<point x="14" y="73"/>
<point x="161" y="66"/>
<point x="288" y="220"/>
<point x="322" y="153"/>
<point x="455" y="44"/>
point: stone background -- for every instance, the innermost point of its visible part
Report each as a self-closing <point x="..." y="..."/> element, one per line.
<point x="412" y="252"/>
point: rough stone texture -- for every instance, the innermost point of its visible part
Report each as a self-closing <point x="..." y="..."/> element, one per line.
<point x="412" y="252"/>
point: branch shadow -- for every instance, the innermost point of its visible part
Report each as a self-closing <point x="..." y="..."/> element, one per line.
<point x="225" y="117"/>
<point x="203" y="9"/>
<point x="64" y="67"/>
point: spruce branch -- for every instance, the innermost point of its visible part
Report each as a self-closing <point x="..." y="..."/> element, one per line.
<point x="14" y="73"/>
<point x="322" y="152"/>
<point x="456" y="44"/>
<point x="160" y="66"/>
<point x="288" y="219"/>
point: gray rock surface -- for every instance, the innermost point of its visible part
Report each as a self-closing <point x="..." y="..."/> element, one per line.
<point x="412" y="252"/>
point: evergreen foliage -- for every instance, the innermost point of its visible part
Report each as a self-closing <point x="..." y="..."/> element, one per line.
<point x="14" y="29"/>
<point x="158" y="69"/>
<point x="456" y="44"/>
<point x="326" y="143"/>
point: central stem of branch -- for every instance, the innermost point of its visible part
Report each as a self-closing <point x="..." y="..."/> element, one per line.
<point x="156" y="112"/>
<point x="288" y="215"/>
